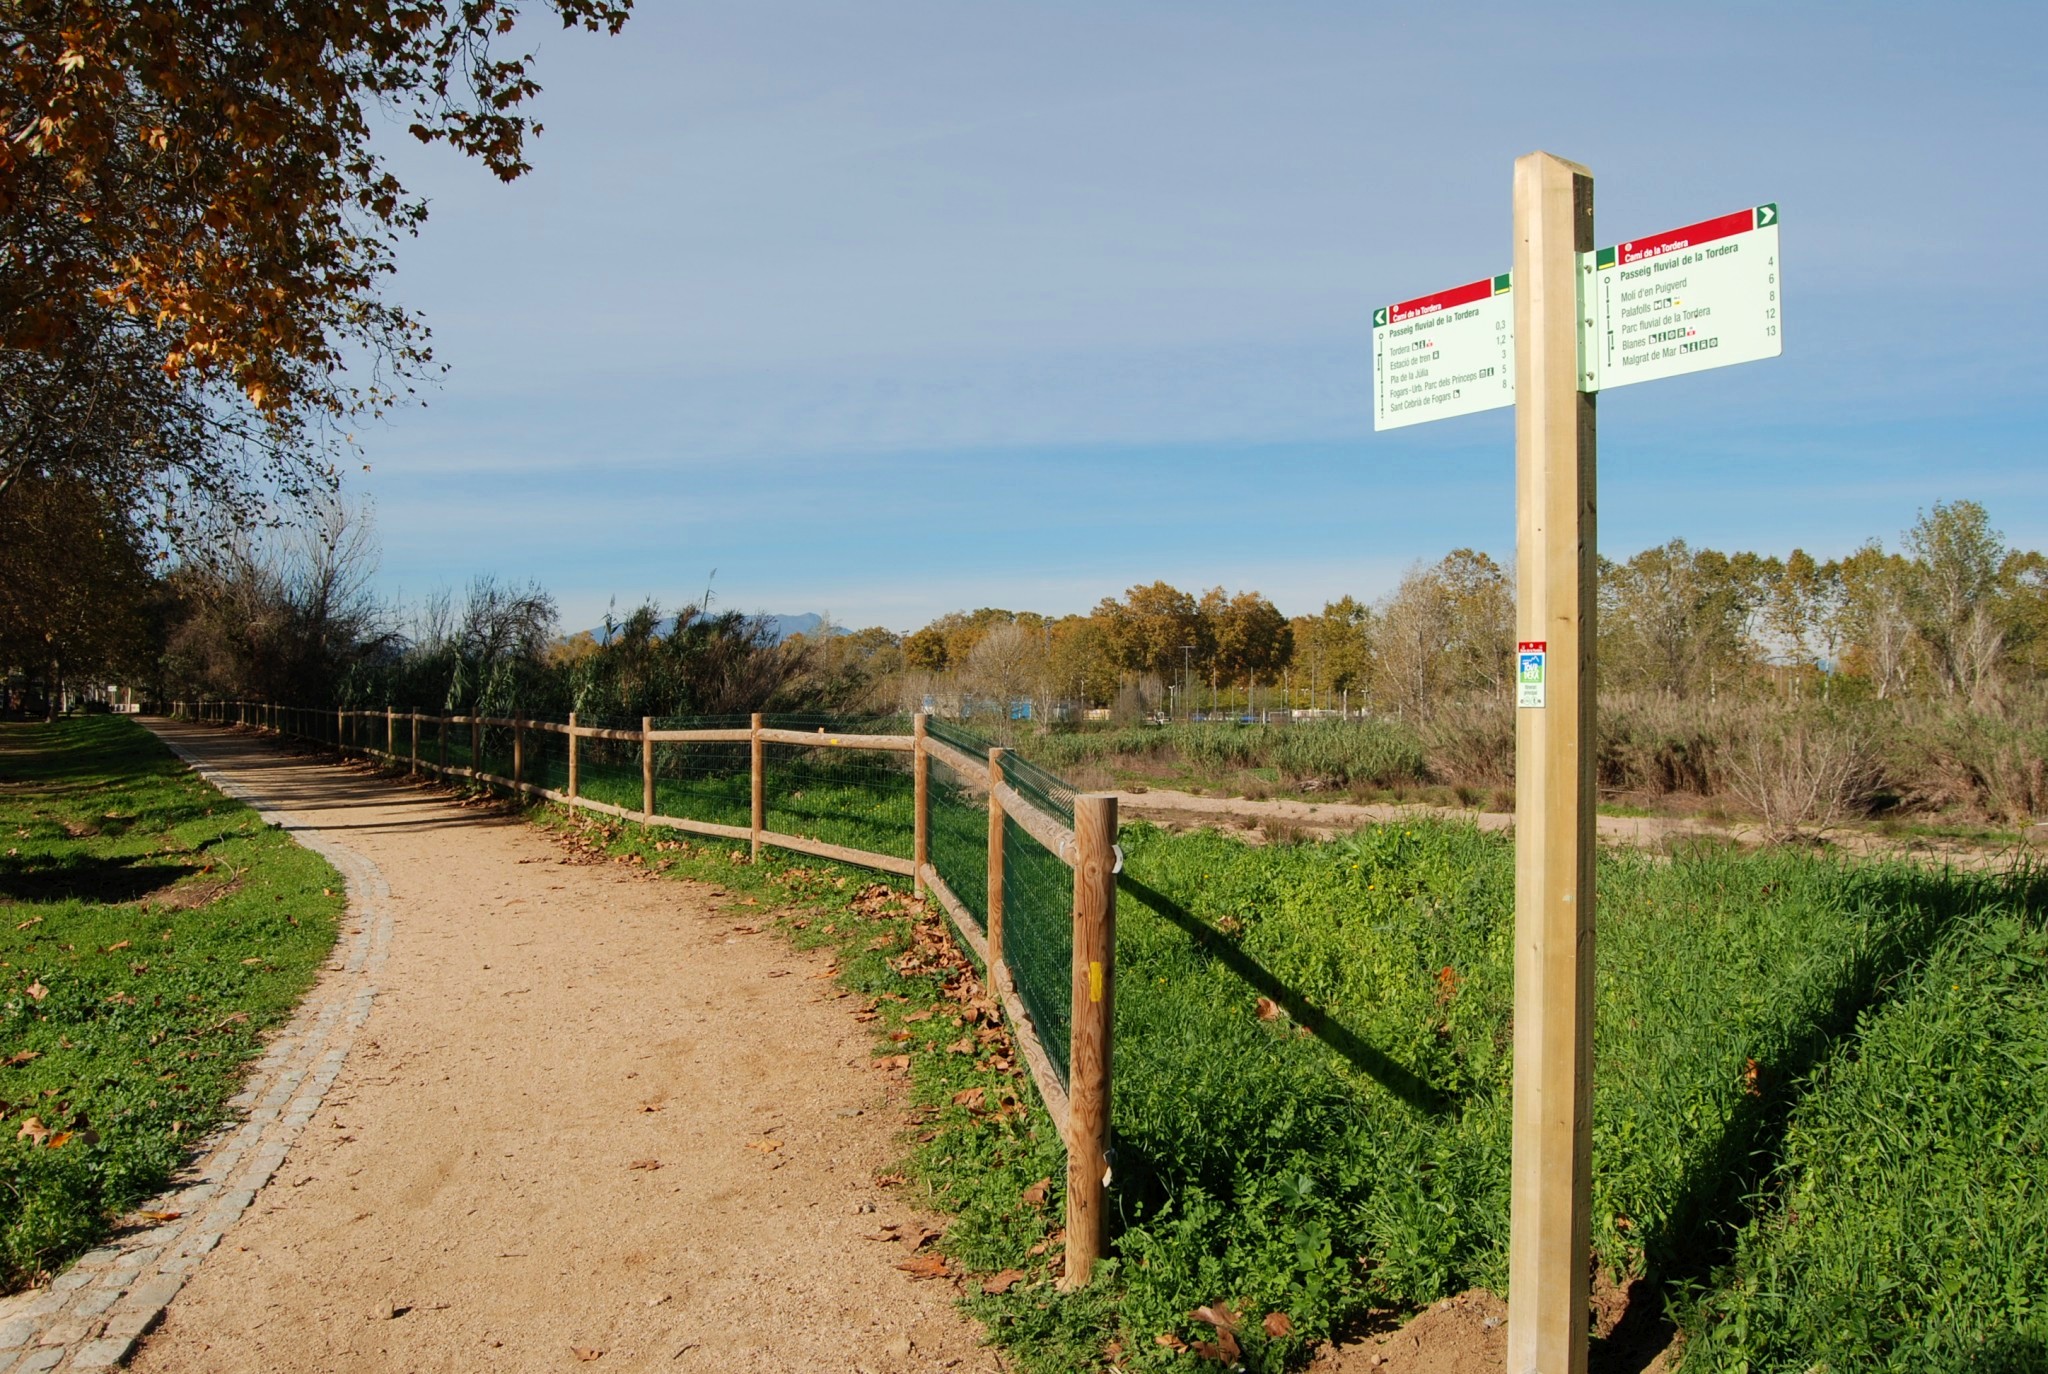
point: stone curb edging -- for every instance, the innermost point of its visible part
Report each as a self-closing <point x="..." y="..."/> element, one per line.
<point x="92" y="1315"/>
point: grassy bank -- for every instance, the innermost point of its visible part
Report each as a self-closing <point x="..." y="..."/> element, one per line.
<point x="151" y="930"/>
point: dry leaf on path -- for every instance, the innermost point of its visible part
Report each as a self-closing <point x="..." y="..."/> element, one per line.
<point x="1003" y="1281"/>
<point x="159" y="1216"/>
<point x="766" y="1147"/>
<point x="648" y="1164"/>
<point x="926" y="1267"/>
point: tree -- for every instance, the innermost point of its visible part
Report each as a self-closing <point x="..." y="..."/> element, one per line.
<point x="195" y="223"/>
<point x="1674" y="619"/>
<point x="1875" y="619"/>
<point x="1335" y="647"/>
<point x="1252" y="640"/>
<point x="1150" y="630"/>
<point x="1078" y="663"/>
<point x="1960" y="557"/>
<point x="77" y="591"/>
<point x="1447" y="629"/>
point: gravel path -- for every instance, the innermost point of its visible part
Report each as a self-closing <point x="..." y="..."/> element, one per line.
<point x="547" y="1145"/>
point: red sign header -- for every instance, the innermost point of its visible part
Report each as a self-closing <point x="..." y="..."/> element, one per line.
<point x="1443" y="300"/>
<point x="1693" y="235"/>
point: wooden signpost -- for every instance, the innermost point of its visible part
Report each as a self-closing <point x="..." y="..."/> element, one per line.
<point x="1707" y="295"/>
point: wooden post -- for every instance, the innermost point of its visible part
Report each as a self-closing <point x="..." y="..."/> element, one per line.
<point x="476" y="744"/>
<point x="1089" y="1048"/>
<point x="995" y="861"/>
<point x="391" y="734"/>
<point x="572" y="756"/>
<point x="415" y="768"/>
<point x="1550" y="1243"/>
<point x="340" y="744"/>
<point x="647" y="766"/>
<point x="921" y="819"/>
<point x="441" y="742"/>
<point x="760" y="772"/>
<point x="518" y="753"/>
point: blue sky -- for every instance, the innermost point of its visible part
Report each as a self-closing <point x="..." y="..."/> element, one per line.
<point x="896" y="308"/>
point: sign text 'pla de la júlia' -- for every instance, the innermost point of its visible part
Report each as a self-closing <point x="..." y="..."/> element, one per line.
<point x="1706" y="295"/>
<point x="1447" y="354"/>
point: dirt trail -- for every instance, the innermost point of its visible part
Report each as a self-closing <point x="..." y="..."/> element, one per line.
<point x="467" y="1196"/>
<point x="1254" y="820"/>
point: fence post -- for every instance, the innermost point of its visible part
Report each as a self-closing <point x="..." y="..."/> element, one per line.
<point x="415" y="744"/>
<point x="476" y="744"/>
<point x="518" y="754"/>
<point x="441" y="739"/>
<point x="391" y="734"/>
<point x="340" y="738"/>
<point x="647" y="766"/>
<point x="1089" y="1050"/>
<point x="921" y="825"/>
<point x="572" y="756"/>
<point x="760" y="771"/>
<point x="995" y="861"/>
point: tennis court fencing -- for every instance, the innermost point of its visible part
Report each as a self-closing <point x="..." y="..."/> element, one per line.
<point x="1024" y="867"/>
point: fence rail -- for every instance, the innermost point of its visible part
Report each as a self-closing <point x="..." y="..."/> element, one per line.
<point x="1016" y="937"/>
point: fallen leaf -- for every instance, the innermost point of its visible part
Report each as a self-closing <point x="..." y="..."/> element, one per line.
<point x="37" y="991"/>
<point x="1034" y="1196"/>
<point x="585" y="1353"/>
<point x="889" y="1180"/>
<point x="648" y="1164"/>
<point x="159" y="1216"/>
<point x="257" y="960"/>
<point x="33" y="1130"/>
<point x="1003" y="1281"/>
<point x="20" y="1057"/>
<point x="899" y="1036"/>
<point x="926" y="1267"/>
<point x="1223" y="1350"/>
<point x="964" y="1045"/>
<point x="766" y="1147"/>
<point x="1220" y="1316"/>
<point x="1170" y="1341"/>
<point x="31" y="921"/>
<point x="60" y="1140"/>
<point x="1278" y="1324"/>
<point x="924" y="1015"/>
<point x="111" y="948"/>
<point x="969" y="1097"/>
<point x="1269" y="1010"/>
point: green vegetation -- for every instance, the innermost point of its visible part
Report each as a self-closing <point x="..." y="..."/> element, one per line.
<point x="151" y="930"/>
<point x="1907" y="1228"/>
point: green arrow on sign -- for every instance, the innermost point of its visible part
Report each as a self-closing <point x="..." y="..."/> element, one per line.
<point x="1379" y="317"/>
<point x="1766" y="215"/>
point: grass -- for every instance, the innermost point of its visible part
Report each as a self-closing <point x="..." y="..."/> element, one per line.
<point x="151" y="930"/>
<point x="1907" y="1226"/>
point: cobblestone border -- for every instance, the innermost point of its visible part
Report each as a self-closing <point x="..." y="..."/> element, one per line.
<point x="92" y="1315"/>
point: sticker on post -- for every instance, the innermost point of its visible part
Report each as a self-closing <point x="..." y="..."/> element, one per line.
<point x="1529" y="661"/>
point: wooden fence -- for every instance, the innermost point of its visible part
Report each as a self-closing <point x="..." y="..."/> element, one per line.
<point x="1080" y="1107"/>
